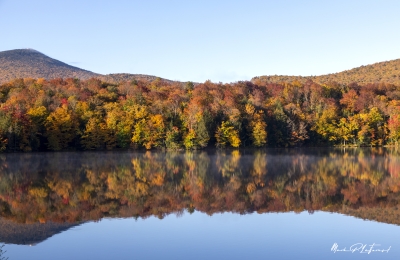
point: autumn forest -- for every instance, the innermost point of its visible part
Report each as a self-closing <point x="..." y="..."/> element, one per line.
<point x="73" y="114"/>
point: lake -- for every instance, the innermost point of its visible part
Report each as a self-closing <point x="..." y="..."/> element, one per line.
<point x="314" y="203"/>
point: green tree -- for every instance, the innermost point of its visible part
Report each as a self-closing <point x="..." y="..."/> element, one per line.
<point x="173" y="138"/>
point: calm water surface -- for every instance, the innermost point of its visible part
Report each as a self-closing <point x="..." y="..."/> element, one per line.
<point x="272" y="204"/>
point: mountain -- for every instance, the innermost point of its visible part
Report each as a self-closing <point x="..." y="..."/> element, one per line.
<point x="29" y="63"/>
<point x="387" y="71"/>
<point x="118" y="77"/>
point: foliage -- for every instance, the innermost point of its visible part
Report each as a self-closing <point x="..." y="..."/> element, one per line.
<point x="61" y="128"/>
<point x="71" y="114"/>
<point x="227" y="134"/>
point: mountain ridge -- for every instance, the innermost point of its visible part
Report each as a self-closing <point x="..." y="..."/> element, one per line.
<point x="384" y="71"/>
<point x="30" y="63"/>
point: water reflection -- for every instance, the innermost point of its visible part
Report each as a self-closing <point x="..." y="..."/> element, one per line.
<point x="76" y="187"/>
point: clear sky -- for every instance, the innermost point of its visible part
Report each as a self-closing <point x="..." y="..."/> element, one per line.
<point x="195" y="40"/>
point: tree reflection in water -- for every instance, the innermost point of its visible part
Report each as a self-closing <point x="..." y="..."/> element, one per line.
<point x="76" y="187"/>
<point x="2" y="253"/>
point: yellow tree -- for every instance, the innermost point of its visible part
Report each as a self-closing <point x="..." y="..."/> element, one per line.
<point x="257" y="126"/>
<point x="37" y="116"/>
<point x="150" y="133"/>
<point x="226" y="133"/>
<point x="94" y="136"/>
<point x="189" y="140"/>
<point x="325" y="124"/>
<point x="259" y="134"/>
<point x="373" y="128"/>
<point x="345" y="130"/>
<point x="121" y="120"/>
<point x="61" y="128"/>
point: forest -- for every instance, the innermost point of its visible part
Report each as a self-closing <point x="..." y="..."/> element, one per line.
<point x="73" y="114"/>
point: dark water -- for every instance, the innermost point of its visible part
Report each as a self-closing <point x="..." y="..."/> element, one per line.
<point x="272" y="204"/>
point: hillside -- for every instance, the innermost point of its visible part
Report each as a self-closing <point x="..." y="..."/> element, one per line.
<point x="121" y="77"/>
<point x="29" y="63"/>
<point x="387" y="71"/>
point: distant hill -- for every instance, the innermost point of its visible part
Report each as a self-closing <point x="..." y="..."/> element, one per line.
<point x="29" y="63"/>
<point x="118" y="77"/>
<point x="387" y="71"/>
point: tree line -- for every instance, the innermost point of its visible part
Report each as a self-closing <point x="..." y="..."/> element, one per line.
<point x="72" y="114"/>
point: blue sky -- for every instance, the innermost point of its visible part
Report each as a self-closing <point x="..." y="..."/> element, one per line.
<point x="199" y="40"/>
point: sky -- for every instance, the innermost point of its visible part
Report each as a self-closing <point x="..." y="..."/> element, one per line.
<point x="218" y="40"/>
